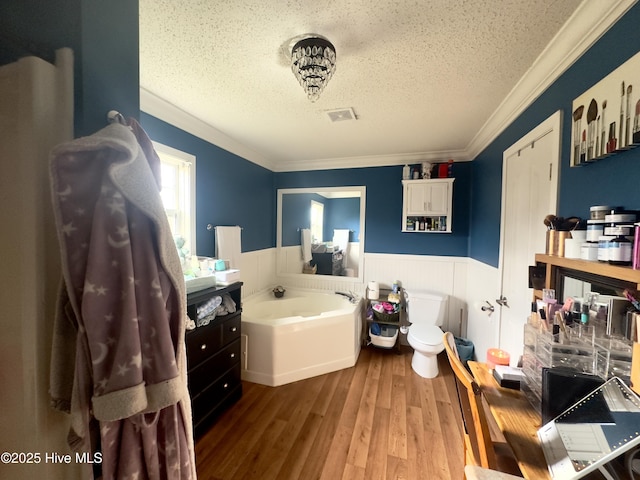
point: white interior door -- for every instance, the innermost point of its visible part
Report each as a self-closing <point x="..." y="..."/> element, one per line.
<point x="529" y="193"/>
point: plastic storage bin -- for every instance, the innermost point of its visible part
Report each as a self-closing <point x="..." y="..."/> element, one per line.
<point x="387" y="337"/>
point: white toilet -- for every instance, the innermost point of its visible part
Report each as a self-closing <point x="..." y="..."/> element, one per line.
<point x="426" y="312"/>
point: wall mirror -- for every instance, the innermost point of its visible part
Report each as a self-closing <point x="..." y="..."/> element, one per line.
<point x="337" y="241"/>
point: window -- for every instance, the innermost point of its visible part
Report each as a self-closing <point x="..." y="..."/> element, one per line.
<point x="317" y="218"/>
<point x="178" y="193"/>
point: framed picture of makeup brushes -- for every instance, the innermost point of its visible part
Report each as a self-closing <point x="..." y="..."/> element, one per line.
<point x="606" y="118"/>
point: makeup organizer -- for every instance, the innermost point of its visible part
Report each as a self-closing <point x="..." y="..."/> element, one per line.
<point x="606" y="118"/>
<point x="584" y="348"/>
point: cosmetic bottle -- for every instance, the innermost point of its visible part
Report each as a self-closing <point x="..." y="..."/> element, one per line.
<point x="410" y="224"/>
<point x="584" y="314"/>
<point x="619" y="251"/>
<point x="635" y="261"/>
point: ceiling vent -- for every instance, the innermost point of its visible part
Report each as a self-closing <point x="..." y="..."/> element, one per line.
<point x="341" y="114"/>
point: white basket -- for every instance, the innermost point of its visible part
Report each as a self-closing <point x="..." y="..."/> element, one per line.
<point x="387" y="338"/>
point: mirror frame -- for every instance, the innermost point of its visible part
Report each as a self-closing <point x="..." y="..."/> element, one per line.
<point x="363" y="195"/>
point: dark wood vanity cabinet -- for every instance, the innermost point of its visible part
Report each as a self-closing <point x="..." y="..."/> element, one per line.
<point x="213" y="356"/>
<point x="329" y="263"/>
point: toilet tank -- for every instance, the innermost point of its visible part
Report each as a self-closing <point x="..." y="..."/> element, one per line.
<point x="426" y="307"/>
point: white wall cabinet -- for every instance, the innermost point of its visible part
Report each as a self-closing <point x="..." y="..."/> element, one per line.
<point x="426" y="205"/>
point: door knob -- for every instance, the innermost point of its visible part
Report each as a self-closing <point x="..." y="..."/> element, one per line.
<point x="502" y="301"/>
<point x="488" y="307"/>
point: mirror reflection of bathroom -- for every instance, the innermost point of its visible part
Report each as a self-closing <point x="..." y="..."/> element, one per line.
<point x="608" y="308"/>
<point x="320" y="231"/>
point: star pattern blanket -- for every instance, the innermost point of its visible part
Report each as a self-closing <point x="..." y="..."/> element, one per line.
<point x="126" y="294"/>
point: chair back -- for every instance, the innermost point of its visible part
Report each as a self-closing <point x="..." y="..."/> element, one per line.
<point x="478" y="445"/>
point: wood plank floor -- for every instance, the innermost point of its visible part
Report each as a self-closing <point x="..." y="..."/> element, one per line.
<point x="375" y="421"/>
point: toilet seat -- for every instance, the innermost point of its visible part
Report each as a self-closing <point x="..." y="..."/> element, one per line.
<point x="428" y="335"/>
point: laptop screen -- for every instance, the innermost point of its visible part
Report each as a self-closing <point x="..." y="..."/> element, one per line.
<point x="598" y="428"/>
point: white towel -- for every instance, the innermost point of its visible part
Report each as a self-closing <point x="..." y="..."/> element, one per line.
<point x="341" y="239"/>
<point x="228" y="245"/>
<point x="305" y="242"/>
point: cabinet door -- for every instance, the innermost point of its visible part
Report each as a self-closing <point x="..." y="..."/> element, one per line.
<point x="438" y="199"/>
<point x="417" y="199"/>
<point x="428" y="199"/>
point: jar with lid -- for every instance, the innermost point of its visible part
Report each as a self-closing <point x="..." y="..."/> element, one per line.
<point x="603" y="247"/>
<point x="410" y="224"/>
<point x="619" y="251"/>
<point x="595" y="229"/>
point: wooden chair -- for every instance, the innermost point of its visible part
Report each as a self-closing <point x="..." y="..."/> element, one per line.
<point x="473" y="472"/>
<point x="479" y="448"/>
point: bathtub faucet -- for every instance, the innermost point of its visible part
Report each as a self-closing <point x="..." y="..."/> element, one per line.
<point x="350" y="295"/>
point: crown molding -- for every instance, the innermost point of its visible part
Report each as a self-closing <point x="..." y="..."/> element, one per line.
<point x="587" y="24"/>
<point x="158" y="107"/>
<point x="369" y="161"/>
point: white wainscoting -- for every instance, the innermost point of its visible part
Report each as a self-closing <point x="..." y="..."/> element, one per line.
<point x="482" y="286"/>
<point x="258" y="271"/>
<point x="423" y="272"/>
<point x="292" y="258"/>
<point x="469" y="283"/>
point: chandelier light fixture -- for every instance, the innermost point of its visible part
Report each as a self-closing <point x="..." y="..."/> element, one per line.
<point x="313" y="61"/>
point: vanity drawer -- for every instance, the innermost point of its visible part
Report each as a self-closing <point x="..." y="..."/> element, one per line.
<point x="206" y="341"/>
<point x="202" y="343"/>
<point x="209" y="370"/>
<point x="231" y="329"/>
<point x="209" y="399"/>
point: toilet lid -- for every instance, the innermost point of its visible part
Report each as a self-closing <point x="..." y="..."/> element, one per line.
<point x="427" y="334"/>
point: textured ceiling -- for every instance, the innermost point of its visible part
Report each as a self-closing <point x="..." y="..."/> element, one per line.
<point x="423" y="77"/>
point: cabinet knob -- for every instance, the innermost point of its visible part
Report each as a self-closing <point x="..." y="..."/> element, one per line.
<point x="225" y="386"/>
<point x="203" y="346"/>
<point x="234" y="329"/>
<point x="233" y="355"/>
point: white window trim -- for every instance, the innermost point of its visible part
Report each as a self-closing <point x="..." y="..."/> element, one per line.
<point x="191" y="160"/>
<point x="317" y="206"/>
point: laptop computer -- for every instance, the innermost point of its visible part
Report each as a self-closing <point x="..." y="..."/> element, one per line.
<point x="599" y="427"/>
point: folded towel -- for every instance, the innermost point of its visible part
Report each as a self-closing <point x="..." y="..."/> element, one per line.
<point x="228" y="245"/>
<point x="227" y="306"/>
<point x="305" y="241"/>
<point x="341" y="238"/>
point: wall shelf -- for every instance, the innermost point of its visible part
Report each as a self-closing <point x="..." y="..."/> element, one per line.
<point x="426" y="205"/>
<point x="626" y="274"/>
<point x="369" y="318"/>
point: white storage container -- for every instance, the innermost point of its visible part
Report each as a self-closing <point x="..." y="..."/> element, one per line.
<point x="387" y="338"/>
<point x="572" y="247"/>
<point x="228" y="276"/>
<point x="589" y="251"/>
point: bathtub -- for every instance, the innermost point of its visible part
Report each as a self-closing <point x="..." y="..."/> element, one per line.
<point x="301" y="335"/>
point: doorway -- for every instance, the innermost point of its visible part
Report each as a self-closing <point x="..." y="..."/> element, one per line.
<point x="529" y="192"/>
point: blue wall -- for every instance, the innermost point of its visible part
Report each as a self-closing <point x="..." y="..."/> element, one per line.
<point x="612" y="181"/>
<point x="103" y="37"/>
<point x="229" y="189"/>
<point x="234" y="191"/>
<point x="296" y="214"/>
<point x="339" y="213"/>
<point x="383" y="218"/>
<point x="344" y="214"/>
